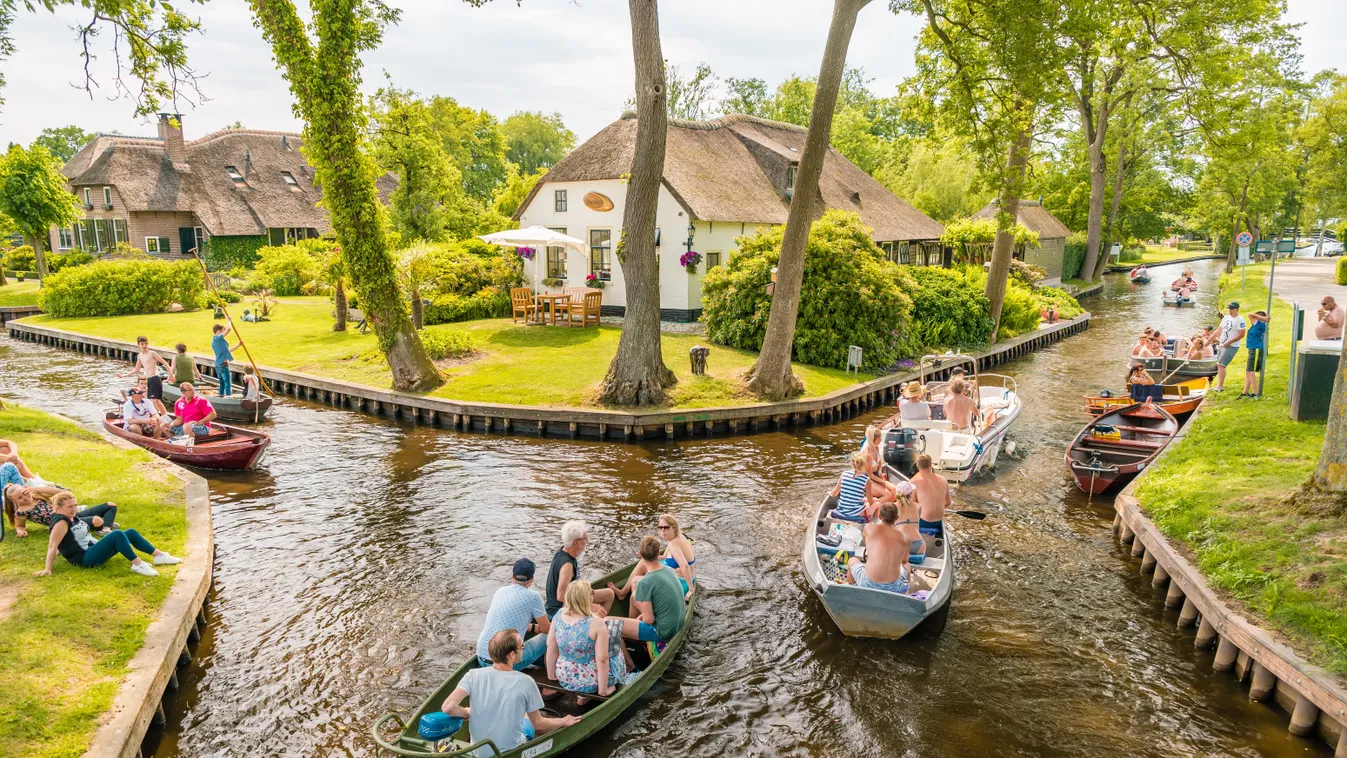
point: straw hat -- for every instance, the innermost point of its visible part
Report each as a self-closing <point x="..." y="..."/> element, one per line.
<point x="913" y="389"/>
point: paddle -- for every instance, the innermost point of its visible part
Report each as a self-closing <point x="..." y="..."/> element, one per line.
<point x="975" y="515"/>
<point x="262" y="383"/>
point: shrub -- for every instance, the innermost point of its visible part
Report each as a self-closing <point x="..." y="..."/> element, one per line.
<point x="1060" y="299"/>
<point x="1341" y="273"/>
<point x="446" y="343"/>
<point x="1020" y="311"/>
<point x="448" y="307"/>
<point x="289" y="270"/>
<point x="1131" y="254"/>
<point x="58" y="261"/>
<point x="850" y="295"/>
<point x="1074" y="256"/>
<point x="1026" y="273"/>
<point x="947" y="311"/>
<point x="21" y="258"/>
<point x="233" y="252"/>
<point x="115" y="288"/>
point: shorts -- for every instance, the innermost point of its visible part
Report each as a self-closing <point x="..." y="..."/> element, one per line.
<point x="918" y="547"/>
<point x="154" y="388"/>
<point x="931" y="527"/>
<point x="647" y="633"/>
<point x="1255" y="361"/>
<point x="858" y="573"/>
<point x="1228" y="355"/>
<point x="199" y="430"/>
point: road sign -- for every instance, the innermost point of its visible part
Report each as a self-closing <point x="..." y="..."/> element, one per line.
<point x="1244" y="255"/>
<point x="1244" y="239"/>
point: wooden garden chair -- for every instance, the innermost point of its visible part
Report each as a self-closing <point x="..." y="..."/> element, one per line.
<point x="521" y="301"/>
<point x="576" y="296"/>
<point x="587" y="309"/>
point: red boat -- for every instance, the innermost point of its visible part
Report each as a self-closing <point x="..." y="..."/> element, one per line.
<point x="1115" y="447"/>
<point x="226" y="447"/>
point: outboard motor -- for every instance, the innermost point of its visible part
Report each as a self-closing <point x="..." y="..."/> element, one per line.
<point x="900" y="449"/>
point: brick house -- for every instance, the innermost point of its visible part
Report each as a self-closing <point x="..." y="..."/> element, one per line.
<point x="1052" y="234"/>
<point x="167" y="196"/>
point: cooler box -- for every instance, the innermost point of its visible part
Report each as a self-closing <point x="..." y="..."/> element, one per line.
<point x="1316" y="369"/>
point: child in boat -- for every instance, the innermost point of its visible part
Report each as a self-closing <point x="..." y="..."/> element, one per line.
<point x="70" y="538"/>
<point x="251" y="388"/>
<point x="851" y="491"/>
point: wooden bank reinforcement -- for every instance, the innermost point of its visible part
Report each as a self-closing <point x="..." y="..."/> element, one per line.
<point x="1317" y="704"/>
<point x="601" y="424"/>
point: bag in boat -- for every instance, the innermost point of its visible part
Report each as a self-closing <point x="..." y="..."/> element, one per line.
<point x="437" y="725"/>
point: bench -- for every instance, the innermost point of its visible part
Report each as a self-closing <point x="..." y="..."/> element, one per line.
<point x="1123" y="444"/>
<point x="1142" y="429"/>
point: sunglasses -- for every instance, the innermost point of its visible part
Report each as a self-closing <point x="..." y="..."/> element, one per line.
<point x="665" y="526"/>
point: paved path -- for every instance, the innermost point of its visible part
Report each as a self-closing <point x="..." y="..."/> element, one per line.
<point x="1306" y="281"/>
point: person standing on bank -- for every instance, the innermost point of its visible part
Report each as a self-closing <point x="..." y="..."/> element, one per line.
<point x="1331" y="317"/>
<point x="1256" y="342"/>
<point x="147" y="368"/>
<point x="1233" y="327"/>
<point x="223" y="356"/>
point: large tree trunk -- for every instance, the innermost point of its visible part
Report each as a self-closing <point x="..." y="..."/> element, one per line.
<point x="771" y="377"/>
<point x="1331" y="474"/>
<point x="1008" y="210"/>
<point x="1098" y="177"/>
<point x="418" y="309"/>
<point x="339" y="300"/>
<point x="1318" y="247"/>
<point x="40" y="255"/>
<point x="637" y="375"/>
<point x="1102" y="264"/>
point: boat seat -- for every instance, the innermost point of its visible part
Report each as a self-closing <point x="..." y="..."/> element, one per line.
<point x="1142" y="429"/>
<point x="995" y="403"/>
<point x="216" y="435"/>
<point x="1124" y="444"/>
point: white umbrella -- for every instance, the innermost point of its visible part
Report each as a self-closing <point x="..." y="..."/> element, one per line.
<point x="535" y="237"/>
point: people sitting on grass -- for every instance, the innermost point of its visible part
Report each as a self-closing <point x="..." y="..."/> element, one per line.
<point x="566" y="568"/>
<point x="506" y="704"/>
<point x="184" y="368"/>
<point x="657" y="603"/>
<point x="886" y="555"/>
<point x="139" y="415"/>
<point x="192" y="414"/>
<point x="911" y="406"/>
<point x="960" y="409"/>
<point x="71" y="539"/>
<point x="26" y="502"/>
<point x="582" y="653"/>
<point x="932" y="496"/>
<point x="9" y="453"/>
<point x="515" y="606"/>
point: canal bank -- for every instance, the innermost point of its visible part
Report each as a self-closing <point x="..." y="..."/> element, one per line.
<point x="625" y="426"/>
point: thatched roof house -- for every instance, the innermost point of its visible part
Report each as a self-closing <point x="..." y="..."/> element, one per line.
<point x="1052" y="234"/>
<point x="722" y="178"/>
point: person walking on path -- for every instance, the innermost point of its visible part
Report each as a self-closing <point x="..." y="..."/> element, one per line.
<point x="1256" y="342"/>
<point x="223" y="356"/>
<point x="1331" y="316"/>
<point x="1233" y="327"/>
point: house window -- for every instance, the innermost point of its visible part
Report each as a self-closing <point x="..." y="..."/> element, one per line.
<point x="102" y="235"/>
<point x="790" y="178"/>
<point x="157" y="245"/>
<point x="64" y="239"/>
<point x="88" y="241"/>
<point x="657" y="236"/>
<point x="904" y="253"/>
<point x="600" y="243"/>
<point x="556" y="257"/>
<point x="107" y="197"/>
<point x="289" y="235"/>
<point x="200" y="239"/>
<point x="234" y="174"/>
<point x="290" y="180"/>
<point x="712" y="259"/>
<point x="88" y="197"/>
<point x="119" y="231"/>
<point x="559" y="200"/>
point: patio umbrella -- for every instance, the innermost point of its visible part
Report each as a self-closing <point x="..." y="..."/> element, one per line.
<point x="535" y="237"/>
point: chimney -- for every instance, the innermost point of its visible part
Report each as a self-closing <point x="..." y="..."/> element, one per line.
<point x="170" y="131"/>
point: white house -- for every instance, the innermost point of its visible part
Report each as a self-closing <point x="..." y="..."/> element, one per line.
<point x="722" y="179"/>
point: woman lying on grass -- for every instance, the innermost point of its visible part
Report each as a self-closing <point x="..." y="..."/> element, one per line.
<point x="24" y="502"/>
<point x="70" y="537"/>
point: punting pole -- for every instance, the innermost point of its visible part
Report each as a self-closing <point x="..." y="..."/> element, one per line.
<point x="238" y="333"/>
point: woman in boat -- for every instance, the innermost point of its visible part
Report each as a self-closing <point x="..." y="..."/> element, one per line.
<point x="910" y="406"/>
<point x="70" y="538"/>
<point x="851" y="491"/>
<point x="583" y="654"/>
<point x="1139" y="375"/>
<point x="1198" y="350"/>
<point x="1143" y="347"/>
<point x="24" y="503"/>
<point x="679" y="555"/>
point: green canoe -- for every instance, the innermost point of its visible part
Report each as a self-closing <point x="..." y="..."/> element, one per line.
<point x="594" y="715"/>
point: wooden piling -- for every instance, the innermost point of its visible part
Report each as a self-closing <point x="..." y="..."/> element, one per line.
<point x="1161" y="576"/>
<point x="1264" y="683"/>
<point x="1206" y="634"/>
<point x="1225" y="655"/>
<point x="1147" y="561"/>
<point x="1187" y="616"/>
<point x="1174" y="596"/>
<point x="1304" y="717"/>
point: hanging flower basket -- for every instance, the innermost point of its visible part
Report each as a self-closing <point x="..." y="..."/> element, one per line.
<point x="689" y="261"/>
<point x="525" y="252"/>
<point x="594" y="281"/>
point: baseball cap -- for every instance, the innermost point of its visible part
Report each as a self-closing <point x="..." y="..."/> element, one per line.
<point x="1232" y="304"/>
<point x="135" y="391"/>
<point x="523" y="570"/>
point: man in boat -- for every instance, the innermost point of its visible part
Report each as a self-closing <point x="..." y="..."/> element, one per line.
<point x="1331" y="316"/>
<point x="566" y="566"/>
<point x="192" y="411"/>
<point x="139" y="416"/>
<point x="506" y="704"/>
<point x="223" y="356"/>
<point x="516" y="607"/>
<point x="932" y="496"/>
<point x="1233" y="327"/>
<point x="147" y="368"/>
<point x="1256" y="343"/>
<point x="960" y="409"/>
<point x="886" y="555"/>
<point x="657" y="604"/>
<point x="911" y="406"/>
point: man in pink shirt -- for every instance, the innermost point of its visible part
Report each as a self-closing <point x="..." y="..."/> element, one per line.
<point x="192" y="411"/>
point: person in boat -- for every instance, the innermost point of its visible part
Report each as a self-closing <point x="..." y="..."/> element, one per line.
<point x="139" y="416"/>
<point x="565" y="568"/>
<point x="853" y="491"/>
<point x="1138" y="271"/>
<point x="886" y="555"/>
<point x="582" y="653"/>
<point x="1197" y="349"/>
<point x="960" y="409"/>
<point x="932" y="496"/>
<point x="1233" y="327"/>
<point x="146" y="369"/>
<point x="223" y="355"/>
<point x="1139" y="375"/>
<point x="184" y="368"/>
<point x="1255" y="341"/>
<point x="506" y="704"/>
<point x="70" y="538"/>
<point x="658" y="602"/>
<point x="911" y="407"/>
<point x="192" y="411"/>
<point x="516" y="606"/>
<point x="872" y="448"/>
<point x="252" y="389"/>
<point x="678" y="555"/>
<point x="1331" y="317"/>
<point x="1143" y="347"/>
<point x="909" y="523"/>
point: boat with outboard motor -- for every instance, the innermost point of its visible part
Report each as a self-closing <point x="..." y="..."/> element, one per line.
<point x="1176" y="299"/>
<point x="1179" y="399"/>
<point x="955" y="455"/>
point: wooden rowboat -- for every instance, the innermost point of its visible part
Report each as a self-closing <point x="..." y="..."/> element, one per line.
<point x="594" y="715"/>
<point x="1179" y="399"/>
<point x="226" y="447"/>
<point x="865" y="612"/>
<point x="1144" y="278"/>
<point x="1118" y="445"/>
<point x="231" y="408"/>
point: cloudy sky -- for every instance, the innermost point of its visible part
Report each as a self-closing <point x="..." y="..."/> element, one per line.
<point x="549" y="55"/>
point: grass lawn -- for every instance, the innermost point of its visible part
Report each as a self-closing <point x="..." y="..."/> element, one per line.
<point x="1222" y="492"/>
<point x="529" y="365"/>
<point x="68" y="636"/>
<point x="18" y="293"/>
<point x="1155" y="254"/>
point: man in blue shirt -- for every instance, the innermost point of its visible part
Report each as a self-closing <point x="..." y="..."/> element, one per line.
<point x="223" y="356"/>
<point x="1256" y="341"/>
<point x="517" y="607"/>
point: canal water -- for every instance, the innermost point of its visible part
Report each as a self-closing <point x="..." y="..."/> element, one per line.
<point x="354" y="568"/>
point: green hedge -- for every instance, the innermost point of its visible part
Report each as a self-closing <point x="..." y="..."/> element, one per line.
<point x="1074" y="256"/>
<point x="115" y="288"/>
<point x="58" y="261"/>
<point x="448" y="307"/>
<point x="947" y="312"/>
<point x="21" y="258"/>
<point x="1341" y="273"/>
<point x="223" y="253"/>
<point x="446" y="343"/>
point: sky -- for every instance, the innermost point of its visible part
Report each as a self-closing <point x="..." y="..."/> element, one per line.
<point x="566" y="56"/>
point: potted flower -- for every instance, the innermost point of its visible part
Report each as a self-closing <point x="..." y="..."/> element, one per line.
<point x="525" y="252"/>
<point x="594" y="281"/>
<point x="689" y="261"/>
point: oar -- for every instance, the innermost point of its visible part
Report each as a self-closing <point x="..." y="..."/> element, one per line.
<point x="975" y="515"/>
<point x="1175" y="371"/>
<point x="237" y="333"/>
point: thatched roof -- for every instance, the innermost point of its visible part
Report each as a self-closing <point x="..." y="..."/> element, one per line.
<point x="146" y="179"/>
<point x="734" y="169"/>
<point x="1034" y="217"/>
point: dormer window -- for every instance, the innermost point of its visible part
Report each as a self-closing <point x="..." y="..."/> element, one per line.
<point x="234" y="174"/>
<point x="290" y="180"/>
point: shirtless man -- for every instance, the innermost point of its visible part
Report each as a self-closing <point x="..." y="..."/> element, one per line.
<point x="960" y="409"/>
<point x="932" y="496"/>
<point x="886" y="550"/>
<point x="147" y="368"/>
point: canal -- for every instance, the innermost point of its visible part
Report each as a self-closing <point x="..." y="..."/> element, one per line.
<point x="353" y="571"/>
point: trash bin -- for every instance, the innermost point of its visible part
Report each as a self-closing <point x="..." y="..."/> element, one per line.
<point x="1316" y="370"/>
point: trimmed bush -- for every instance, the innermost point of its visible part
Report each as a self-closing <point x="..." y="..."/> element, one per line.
<point x="1060" y="299"/>
<point x="1020" y="311"/>
<point x="446" y="343"/>
<point x="58" y="261"/>
<point x="947" y="311"/>
<point x="22" y="258"/>
<point x="116" y="288"/>
<point x="1074" y="256"/>
<point x="224" y="253"/>
<point x="850" y="296"/>
<point x="1340" y="274"/>
<point x="448" y="307"/>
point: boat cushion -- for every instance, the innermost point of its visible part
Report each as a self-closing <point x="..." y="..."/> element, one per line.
<point x="996" y="402"/>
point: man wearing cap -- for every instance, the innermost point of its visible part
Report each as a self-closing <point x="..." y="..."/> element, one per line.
<point x="1233" y="327"/>
<point x="517" y="607"/>
<point x="138" y="415"/>
<point x="1256" y="342"/>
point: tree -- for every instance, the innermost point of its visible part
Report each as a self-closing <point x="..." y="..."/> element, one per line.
<point x="1324" y="140"/>
<point x="535" y="140"/>
<point x="429" y="184"/>
<point x="517" y="187"/>
<point x="771" y="376"/>
<point x="33" y="195"/>
<point x="334" y="273"/>
<point x="63" y="141"/>
<point x="747" y="96"/>
<point x="416" y="268"/>
<point x="689" y="96"/>
<point x="936" y="175"/>
<point x="475" y="142"/>
<point x="324" y="77"/>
